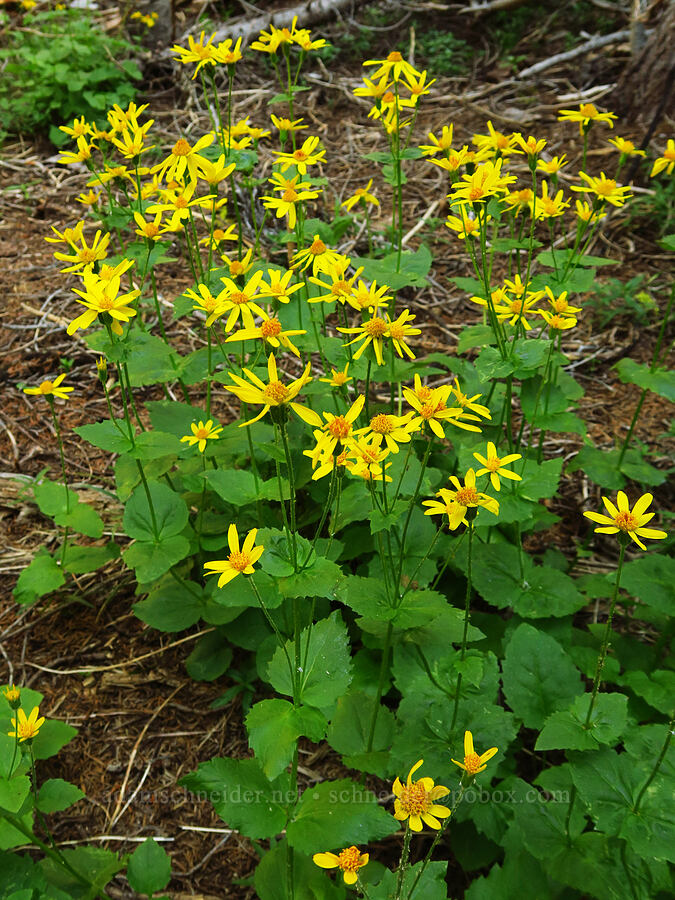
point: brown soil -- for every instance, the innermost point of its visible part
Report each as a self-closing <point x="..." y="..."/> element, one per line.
<point x="143" y="723"/>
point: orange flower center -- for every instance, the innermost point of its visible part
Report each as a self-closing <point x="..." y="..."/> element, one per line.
<point x="46" y="387"/>
<point x="415" y="799"/>
<point x="87" y="255"/>
<point x="424" y="393"/>
<point x="26" y="730"/>
<point x="339" y="427"/>
<point x="270" y="328"/>
<point x="493" y="463"/>
<point x="275" y="392"/>
<point x="151" y="229"/>
<point x="290" y="195"/>
<point x="381" y="424"/>
<point x="181" y="148"/>
<point x="340" y="378"/>
<point x="388" y="97"/>
<point x="300" y="155"/>
<point x="559" y="304"/>
<point x="669" y="153"/>
<point x="467" y="496"/>
<point x="516" y="306"/>
<point x="339" y="287"/>
<point x="239" y="561"/>
<point x="626" y="521"/>
<point x="472" y="763"/>
<point x="605" y="188"/>
<point x="376" y="327"/>
<point x="428" y="411"/>
<point x="557" y="321"/>
<point x="350" y="859"/>
<point x="105" y="303"/>
<point x="318" y="247"/>
<point x="180" y="203"/>
<point x="588" y="110"/>
<point x="202" y="433"/>
<point x="239" y="297"/>
<point x="397" y="332"/>
<point x="394" y="56"/>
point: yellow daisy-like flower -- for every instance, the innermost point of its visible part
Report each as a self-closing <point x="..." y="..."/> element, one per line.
<point x="85" y="255"/>
<point x="431" y="406"/>
<point x="337" y="428"/>
<point x="27" y="727"/>
<point x="283" y="124"/>
<point x="308" y="154"/>
<point x="239" y="562"/>
<point x="438" y="144"/>
<point x="12" y="695"/>
<point x="628" y="521"/>
<point x="504" y="144"/>
<point x="239" y="302"/>
<point x="552" y="166"/>
<point x="274" y="393"/>
<point x="371" y="332"/>
<point x="394" y="430"/>
<point x="399" y="330"/>
<point x="349" y="861"/>
<point x="416" y="801"/>
<point x="339" y="287"/>
<point x="278" y="286"/>
<point x="102" y="295"/>
<point x="557" y="322"/>
<point x="51" y="388"/>
<point x="269" y="330"/>
<point x="294" y="191"/>
<point x="361" y="195"/>
<point x="484" y="182"/>
<point x="473" y="763"/>
<point x="338" y="379"/>
<point x="456" y="502"/>
<point x="393" y="68"/>
<point x="365" y="297"/>
<point x="320" y="257"/>
<point x="585" y="115"/>
<point x="548" y="206"/>
<point x="495" y="465"/>
<point x="626" y="147"/>
<point x="184" y="157"/>
<point x="197" y="51"/>
<point x="201" y="433"/>
<point x="532" y="146"/>
<point x="665" y="163"/>
<point x="469" y="403"/>
<point x="560" y="304"/>
<point x="605" y="189"/>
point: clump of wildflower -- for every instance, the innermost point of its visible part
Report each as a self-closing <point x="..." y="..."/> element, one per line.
<point x="495" y="465"/>
<point x="240" y="561"/>
<point x="586" y="115"/>
<point x="626" y="521"/>
<point x="416" y="801"/>
<point x="274" y="394"/>
<point x="349" y="861"/>
<point x="201" y="433"/>
<point x="457" y="503"/>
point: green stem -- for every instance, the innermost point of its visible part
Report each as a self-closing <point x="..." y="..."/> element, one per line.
<point x="291" y="479"/>
<point x="436" y="840"/>
<point x="467" y="614"/>
<point x="425" y="460"/>
<point x="59" y="441"/>
<point x="384" y="666"/>
<point x="405" y="854"/>
<point x="657" y="766"/>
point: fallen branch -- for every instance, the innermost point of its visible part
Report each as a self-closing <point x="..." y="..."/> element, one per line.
<point x="594" y="43"/>
<point x="307" y="13"/>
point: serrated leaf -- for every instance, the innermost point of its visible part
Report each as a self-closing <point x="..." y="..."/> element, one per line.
<point x="42" y="576"/>
<point x="567" y="730"/>
<point x="110" y="435"/>
<point x="539" y="677"/>
<point x="170" y="513"/>
<point x="659" y="381"/>
<point x="273" y="729"/>
<point x="55" y="795"/>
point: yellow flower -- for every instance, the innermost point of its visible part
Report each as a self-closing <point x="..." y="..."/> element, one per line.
<point x="531" y="146"/>
<point x="307" y="155"/>
<point x="361" y="195"/>
<point x="320" y="257"/>
<point x="454" y="503"/>
<point x="560" y="303"/>
<point x="485" y="182"/>
<point x="368" y="298"/>
<point x="556" y="321"/>
<point x="228" y="54"/>
<point x="586" y="213"/>
<point x="393" y="67"/>
<point x="26" y="728"/>
<point x="152" y="230"/>
<point x="399" y="330"/>
<point x="198" y="51"/>
<point x="201" y="433"/>
<point x="79" y="128"/>
<point x="83" y="152"/>
<point x="626" y="520"/>
<point x="102" y="296"/>
<point x="273" y="394"/>
<point x="626" y="147"/>
<point x="84" y="256"/>
<point x="605" y="189"/>
<point x="51" y="388"/>
<point x="282" y="124"/>
<point x="469" y="403"/>
<point x="349" y="861"/>
<point x="552" y="166"/>
<point x="184" y="158"/>
<point x="12" y="696"/>
<point x="415" y="801"/>
<point x="585" y="115"/>
<point x="293" y="192"/>
<point x="339" y="287"/>
<point x="495" y="465"/>
<point x="278" y="286"/>
<point x="270" y="330"/>
<point x="371" y="332"/>
<point x="239" y="561"/>
<point x="337" y="429"/>
<point x="438" y="145"/>
<point x="394" y="430"/>
<point x="665" y="163"/>
<point x="338" y="379"/>
<point x="547" y="207"/>
<point x="430" y="404"/>
<point x="239" y="302"/>
<point x="504" y="144"/>
<point x="473" y="763"/>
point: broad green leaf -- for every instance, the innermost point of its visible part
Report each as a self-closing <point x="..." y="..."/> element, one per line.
<point x="170" y="513"/>
<point x="95" y="865"/>
<point x="13" y="792"/>
<point x="127" y="475"/>
<point x="42" y="576"/>
<point x="241" y="795"/>
<point x="155" y="445"/>
<point x="173" y="417"/>
<point x="431" y="885"/>
<point x="656" y="688"/>
<point x="149" y="868"/>
<point x="659" y="381"/>
<point x="320" y="579"/>
<point x="110" y="435"/>
<point x="567" y="730"/>
<point x="55" y="794"/>
<point x="349" y="732"/>
<point x="171" y="606"/>
<point x="607" y="783"/>
<point x="636" y="467"/>
<point x="560" y="258"/>
<point x="601" y="466"/>
<point x="273" y="729"/>
<point x="539" y="677"/>
<point x="152" y="560"/>
<point x="652" y="579"/>
<point x="336" y="814"/>
<point x="81" y="518"/>
<point x="50" y="497"/>
<point x="79" y="560"/>
<point x="236" y="486"/>
<point x="411" y="270"/>
<point x="475" y="336"/>
<point x="490" y="364"/>
<point x="53" y="735"/>
<point x="210" y="658"/>
<point x="325" y="665"/>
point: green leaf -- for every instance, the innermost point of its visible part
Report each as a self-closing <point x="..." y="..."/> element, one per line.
<point x="95" y="866"/>
<point x="152" y="560"/>
<point x="475" y="336"/>
<point x="79" y="560"/>
<point x="381" y="522"/>
<point x="236" y="486"/>
<point x="320" y="579"/>
<point x="110" y="435"/>
<point x="273" y="729"/>
<point x="567" y="730"/>
<point x="326" y="669"/>
<point x="81" y="518"/>
<point x="155" y="445"/>
<point x="652" y="579"/>
<point x="656" y="688"/>
<point x="607" y="784"/>
<point x="559" y="259"/>
<point x="431" y="885"/>
<point x="210" y="658"/>
<point x="539" y="677"/>
<point x="241" y="795"/>
<point x="50" y="497"/>
<point x="490" y="364"/>
<point x="171" y="606"/>
<point x="349" y="732"/>
<point x="170" y="513"/>
<point x="601" y="466"/>
<point x="40" y="577"/>
<point x="336" y="814"/>
<point x="659" y="381"/>
<point x="636" y="467"/>
<point x="310" y="882"/>
<point x="413" y="268"/>
<point x="56" y="794"/>
<point x="541" y="592"/>
<point x="149" y="868"/>
<point x="13" y="792"/>
<point x="53" y="735"/>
